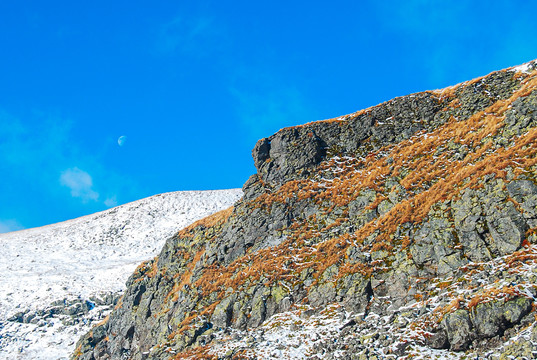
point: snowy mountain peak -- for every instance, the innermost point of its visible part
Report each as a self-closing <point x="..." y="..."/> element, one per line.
<point x="83" y="263"/>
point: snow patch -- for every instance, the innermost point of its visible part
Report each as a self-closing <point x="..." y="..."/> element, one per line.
<point x="524" y="68"/>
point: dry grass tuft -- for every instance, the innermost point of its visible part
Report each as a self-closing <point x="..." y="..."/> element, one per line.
<point x="207" y="222"/>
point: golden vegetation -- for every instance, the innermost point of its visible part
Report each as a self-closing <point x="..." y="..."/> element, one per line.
<point x="207" y="222"/>
<point x="506" y="293"/>
<point x="185" y="277"/>
<point x="435" y="177"/>
<point x="200" y="352"/>
<point x="147" y="269"/>
<point x="425" y="167"/>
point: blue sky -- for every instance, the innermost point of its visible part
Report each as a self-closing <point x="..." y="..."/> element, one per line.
<point x="193" y="85"/>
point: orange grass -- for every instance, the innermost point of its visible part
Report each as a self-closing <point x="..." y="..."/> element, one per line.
<point x="506" y="293"/>
<point x="444" y="180"/>
<point x="209" y="221"/>
<point x="430" y="178"/>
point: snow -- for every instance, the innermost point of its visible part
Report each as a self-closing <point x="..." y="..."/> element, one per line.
<point x="524" y="68"/>
<point x="85" y="257"/>
<point x="288" y="335"/>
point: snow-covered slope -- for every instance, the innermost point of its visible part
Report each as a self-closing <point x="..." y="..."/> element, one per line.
<point x="56" y="280"/>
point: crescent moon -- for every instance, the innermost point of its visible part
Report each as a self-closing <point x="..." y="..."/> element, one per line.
<point x="121" y="141"/>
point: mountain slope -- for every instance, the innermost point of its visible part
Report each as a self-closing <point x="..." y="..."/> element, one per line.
<point x="57" y="279"/>
<point x="406" y="230"/>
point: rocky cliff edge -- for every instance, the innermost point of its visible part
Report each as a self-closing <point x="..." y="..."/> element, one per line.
<point x="406" y="230"/>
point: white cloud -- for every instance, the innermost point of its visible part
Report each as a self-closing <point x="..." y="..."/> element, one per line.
<point x="38" y="154"/>
<point x="111" y="202"/>
<point x="9" y="225"/>
<point x="80" y="183"/>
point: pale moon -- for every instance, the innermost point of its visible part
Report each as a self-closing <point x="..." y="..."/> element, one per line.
<point x="121" y="141"/>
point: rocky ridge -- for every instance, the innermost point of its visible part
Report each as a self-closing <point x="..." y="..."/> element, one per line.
<point x="406" y="230"/>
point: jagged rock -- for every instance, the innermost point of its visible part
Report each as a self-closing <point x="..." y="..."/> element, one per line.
<point x="291" y="151"/>
<point x="522" y="115"/>
<point x="459" y="329"/>
<point x="507" y="227"/>
<point x="434" y="247"/>
<point x="68" y="311"/>
<point x="520" y="349"/>
<point x="439" y="340"/>
<point x="252" y="188"/>
<point x="223" y="312"/>
<point x="487" y="319"/>
<point x="515" y="310"/>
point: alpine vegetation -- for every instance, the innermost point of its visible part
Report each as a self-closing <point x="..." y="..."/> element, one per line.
<point x="403" y="231"/>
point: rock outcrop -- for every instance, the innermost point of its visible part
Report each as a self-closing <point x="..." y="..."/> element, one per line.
<point x="407" y="230"/>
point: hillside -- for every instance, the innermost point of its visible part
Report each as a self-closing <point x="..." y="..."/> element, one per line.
<point x="58" y="280"/>
<point x="406" y="230"/>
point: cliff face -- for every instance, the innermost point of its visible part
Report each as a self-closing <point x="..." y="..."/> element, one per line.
<point x="405" y="230"/>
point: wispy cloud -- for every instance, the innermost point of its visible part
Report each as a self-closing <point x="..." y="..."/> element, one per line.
<point x="186" y="35"/>
<point x="80" y="183"/>
<point x="9" y="225"/>
<point x="111" y="202"/>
